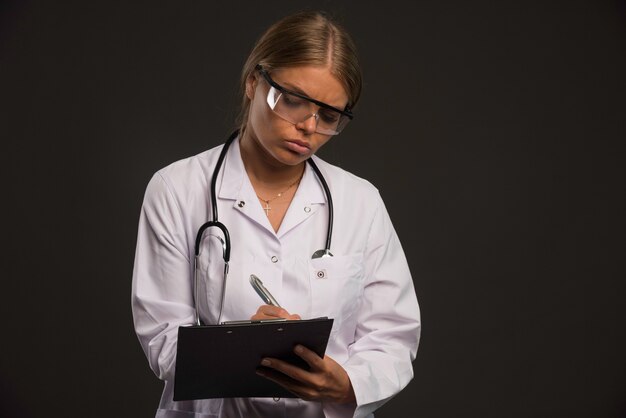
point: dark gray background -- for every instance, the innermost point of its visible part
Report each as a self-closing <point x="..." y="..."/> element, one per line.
<point x="494" y="129"/>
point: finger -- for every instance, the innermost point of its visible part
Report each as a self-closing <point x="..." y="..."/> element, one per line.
<point x="294" y="372"/>
<point x="288" y="383"/>
<point x="294" y="317"/>
<point x="314" y="361"/>
<point x="269" y="312"/>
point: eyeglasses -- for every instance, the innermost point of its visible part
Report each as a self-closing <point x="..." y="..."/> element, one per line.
<point x="296" y="108"/>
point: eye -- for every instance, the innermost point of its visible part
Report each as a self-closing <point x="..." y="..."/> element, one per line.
<point x="292" y="101"/>
<point x="329" y="116"/>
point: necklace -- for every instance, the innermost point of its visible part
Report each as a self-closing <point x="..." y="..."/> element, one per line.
<point x="267" y="207"/>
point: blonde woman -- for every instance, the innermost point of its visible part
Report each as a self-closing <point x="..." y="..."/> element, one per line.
<point x="300" y="85"/>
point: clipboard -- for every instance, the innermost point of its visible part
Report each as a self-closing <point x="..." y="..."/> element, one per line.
<point x="220" y="361"/>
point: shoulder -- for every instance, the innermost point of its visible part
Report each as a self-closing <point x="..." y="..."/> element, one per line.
<point x="360" y="215"/>
<point x="345" y="184"/>
<point x="186" y="178"/>
<point x="194" y="167"/>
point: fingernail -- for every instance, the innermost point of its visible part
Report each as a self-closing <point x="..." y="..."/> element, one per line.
<point x="298" y="349"/>
<point x="266" y="362"/>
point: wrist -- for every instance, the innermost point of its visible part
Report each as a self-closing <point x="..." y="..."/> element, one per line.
<point x="349" y="396"/>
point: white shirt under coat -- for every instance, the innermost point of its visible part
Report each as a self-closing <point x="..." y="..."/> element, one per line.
<point x="366" y="287"/>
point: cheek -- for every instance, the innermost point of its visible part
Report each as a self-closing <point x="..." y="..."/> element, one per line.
<point x="266" y="123"/>
<point x="258" y="118"/>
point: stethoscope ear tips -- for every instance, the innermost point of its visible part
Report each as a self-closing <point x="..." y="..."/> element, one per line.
<point x="322" y="253"/>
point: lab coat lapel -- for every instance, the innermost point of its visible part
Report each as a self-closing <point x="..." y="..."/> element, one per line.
<point x="308" y="199"/>
<point x="236" y="187"/>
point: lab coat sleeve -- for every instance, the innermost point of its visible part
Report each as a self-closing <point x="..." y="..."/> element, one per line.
<point x="388" y="330"/>
<point x="162" y="276"/>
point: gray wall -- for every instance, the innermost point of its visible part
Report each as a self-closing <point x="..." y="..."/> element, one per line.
<point x="494" y="131"/>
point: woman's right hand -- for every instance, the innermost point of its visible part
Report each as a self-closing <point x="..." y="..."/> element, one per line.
<point x="273" y="312"/>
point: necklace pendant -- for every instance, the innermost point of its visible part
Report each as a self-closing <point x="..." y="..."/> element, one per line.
<point x="267" y="209"/>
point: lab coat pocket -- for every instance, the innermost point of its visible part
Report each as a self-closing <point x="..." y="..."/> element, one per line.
<point x="232" y="295"/>
<point x="336" y="287"/>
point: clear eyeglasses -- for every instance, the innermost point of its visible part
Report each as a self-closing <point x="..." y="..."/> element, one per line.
<point x="296" y="108"/>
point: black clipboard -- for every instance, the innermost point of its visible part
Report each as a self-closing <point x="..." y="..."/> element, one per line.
<point x="220" y="361"/>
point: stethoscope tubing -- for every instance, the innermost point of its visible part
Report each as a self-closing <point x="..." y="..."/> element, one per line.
<point x="329" y="199"/>
<point x="226" y="241"/>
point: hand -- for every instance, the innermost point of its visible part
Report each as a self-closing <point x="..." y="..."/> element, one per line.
<point x="326" y="381"/>
<point x="272" y="312"/>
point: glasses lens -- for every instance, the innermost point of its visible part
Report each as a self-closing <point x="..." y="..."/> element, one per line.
<point x="295" y="109"/>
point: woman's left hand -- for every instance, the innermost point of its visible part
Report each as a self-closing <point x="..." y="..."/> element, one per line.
<point x="326" y="381"/>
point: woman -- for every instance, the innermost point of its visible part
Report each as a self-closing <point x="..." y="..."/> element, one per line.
<point x="299" y="84"/>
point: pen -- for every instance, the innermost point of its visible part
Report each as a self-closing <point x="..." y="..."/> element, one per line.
<point x="267" y="297"/>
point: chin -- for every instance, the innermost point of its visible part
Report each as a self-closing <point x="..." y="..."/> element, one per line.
<point x="290" y="158"/>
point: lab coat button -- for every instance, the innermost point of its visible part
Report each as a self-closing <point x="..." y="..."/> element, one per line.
<point x="307" y="209"/>
<point x="321" y="274"/>
<point x="274" y="259"/>
<point x="241" y="203"/>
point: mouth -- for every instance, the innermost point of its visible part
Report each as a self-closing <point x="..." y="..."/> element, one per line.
<point x="298" y="146"/>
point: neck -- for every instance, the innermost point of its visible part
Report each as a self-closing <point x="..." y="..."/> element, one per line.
<point x="262" y="169"/>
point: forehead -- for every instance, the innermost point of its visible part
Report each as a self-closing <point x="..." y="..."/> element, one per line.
<point x="313" y="81"/>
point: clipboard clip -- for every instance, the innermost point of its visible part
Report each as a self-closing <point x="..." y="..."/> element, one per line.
<point x="250" y="321"/>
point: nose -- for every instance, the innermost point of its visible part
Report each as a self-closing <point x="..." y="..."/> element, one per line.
<point x="309" y="124"/>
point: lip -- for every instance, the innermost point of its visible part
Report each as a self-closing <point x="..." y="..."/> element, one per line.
<point x="298" y="146"/>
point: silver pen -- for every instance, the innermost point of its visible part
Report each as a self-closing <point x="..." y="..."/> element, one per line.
<point x="265" y="294"/>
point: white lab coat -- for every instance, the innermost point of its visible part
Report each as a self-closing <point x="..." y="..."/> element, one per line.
<point x="366" y="287"/>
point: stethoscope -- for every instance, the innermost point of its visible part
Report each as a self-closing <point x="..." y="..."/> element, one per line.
<point x="226" y="241"/>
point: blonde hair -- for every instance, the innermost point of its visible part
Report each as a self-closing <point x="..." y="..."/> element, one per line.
<point x="304" y="38"/>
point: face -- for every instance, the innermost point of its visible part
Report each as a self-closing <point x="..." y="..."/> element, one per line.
<point x="280" y="141"/>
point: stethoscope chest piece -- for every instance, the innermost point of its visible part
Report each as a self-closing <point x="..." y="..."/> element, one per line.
<point x="321" y="254"/>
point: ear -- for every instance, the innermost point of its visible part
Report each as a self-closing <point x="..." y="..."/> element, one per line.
<point x="251" y="83"/>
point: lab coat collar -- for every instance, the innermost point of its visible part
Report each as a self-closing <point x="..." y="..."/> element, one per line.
<point x="234" y="178"/>
<point x="235" y="185"/>
<point x="232" y="173"/>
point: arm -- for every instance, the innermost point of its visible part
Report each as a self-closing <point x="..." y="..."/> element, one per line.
<point x="161" y="292"/>
<point x="386" y="337"/>
<point x="388" y="322"/>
